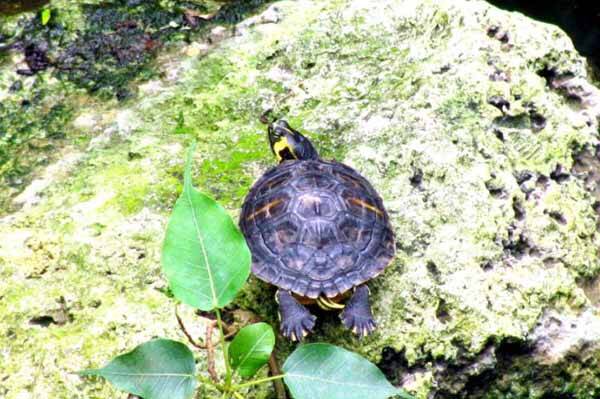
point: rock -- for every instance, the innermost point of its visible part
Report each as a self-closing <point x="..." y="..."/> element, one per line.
<point x="85" y="122"/>
<point x="196" y="49"/>
<point x="271" y="15"/>
<point x="560" y="335"/>
<point x="33" y="194"/>
<point x="495" y="207"/>
<point x="217" y="34"/>
<point x="579" y="19"/>
<point x="126" y="122"/>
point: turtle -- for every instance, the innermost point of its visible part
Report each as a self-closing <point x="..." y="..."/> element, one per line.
<point x="318" y="231"/>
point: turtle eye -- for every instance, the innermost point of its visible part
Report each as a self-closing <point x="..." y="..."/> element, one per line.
<point x="275" y="134"/>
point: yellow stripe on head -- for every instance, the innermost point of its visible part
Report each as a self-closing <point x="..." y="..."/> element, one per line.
<point x="280" y="146"/>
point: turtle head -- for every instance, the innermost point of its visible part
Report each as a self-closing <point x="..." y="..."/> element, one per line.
<point x="287" y="143"/>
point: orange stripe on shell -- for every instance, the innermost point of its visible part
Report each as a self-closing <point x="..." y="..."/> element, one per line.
<point x="366" y="205"/>
<point x="265" y="208"/>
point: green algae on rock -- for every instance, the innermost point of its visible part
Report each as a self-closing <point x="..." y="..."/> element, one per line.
<point x="497" y="234"/>
<point x="100" y="48"/>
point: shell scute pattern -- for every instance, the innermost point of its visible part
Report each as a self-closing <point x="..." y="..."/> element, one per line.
<point x="280" y="235"/>
<point x="311" y="205"/>
<point x="316" y="228"/>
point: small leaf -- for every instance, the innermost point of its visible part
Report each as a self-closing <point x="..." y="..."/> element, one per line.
<point x="157" y="369"/>
<point x="46" y="14"/>
<point x="323" y="371"/>
<point x="251" y="348"/>
<point x="205" y="257"/>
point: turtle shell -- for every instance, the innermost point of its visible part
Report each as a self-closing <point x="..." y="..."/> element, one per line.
<point x="316" y="228"/>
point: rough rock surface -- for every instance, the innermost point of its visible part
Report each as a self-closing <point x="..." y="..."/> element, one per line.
<point x="478" y="127"/>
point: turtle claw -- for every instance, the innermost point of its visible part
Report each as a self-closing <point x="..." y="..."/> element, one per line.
<point x="359" y="325"/>
<point x="357" y="315"/>
<point x="298" y="329"/>
<point x="296" y="320"/>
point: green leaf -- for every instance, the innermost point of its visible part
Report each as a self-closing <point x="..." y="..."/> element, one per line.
<point x="205" y="257"/>
<point x="157" y="369"/>
<point x="251" y="348"/>
<point x="323" y="371"/>
<point x="46" y="14"/>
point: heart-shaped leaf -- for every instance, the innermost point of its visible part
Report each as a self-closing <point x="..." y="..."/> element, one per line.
<point x="157" y="369"/>
<point x="205" y="257"/>
<point x="251" y="348"/>
<point x="323" y="371"/>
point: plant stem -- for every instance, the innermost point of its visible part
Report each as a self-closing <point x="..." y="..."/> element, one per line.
<point x="225" y="354"/>
<point x="247" y="384"/>
<point x="237" y="395"/>
<point x="275" y="370"/>
<point x="185" y="332"/>
<point x="210" y="352"/>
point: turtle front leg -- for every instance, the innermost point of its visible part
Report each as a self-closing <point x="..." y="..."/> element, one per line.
<point x="296" y="320"/>
<point x="357" y="314"/>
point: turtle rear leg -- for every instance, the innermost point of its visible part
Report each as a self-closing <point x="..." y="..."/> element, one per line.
<point x="296" y="320"/>
<point x="357" y="314"/>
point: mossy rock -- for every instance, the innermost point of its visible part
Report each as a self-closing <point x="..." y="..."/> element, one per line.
<point x="494" y="207"/>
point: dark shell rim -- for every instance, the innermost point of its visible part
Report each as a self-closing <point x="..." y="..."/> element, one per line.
<point x="354" y="284"/>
